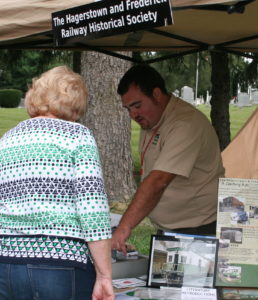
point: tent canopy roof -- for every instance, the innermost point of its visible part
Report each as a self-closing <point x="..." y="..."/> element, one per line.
<point x="198" y="25"/>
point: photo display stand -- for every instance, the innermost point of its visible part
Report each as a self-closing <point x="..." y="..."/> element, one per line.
<point x="181" y="260"/>
<point x="237" y="231"/>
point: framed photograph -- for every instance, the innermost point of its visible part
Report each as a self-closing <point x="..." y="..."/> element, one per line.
<point x="238" y="293"/>
<point x="178" y="260"/>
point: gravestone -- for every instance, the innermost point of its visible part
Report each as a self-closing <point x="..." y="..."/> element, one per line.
<point x="255" y="97"/>
<point x="208" y="98"/>
<point x="199" y="101"/>
<point x="176" y="93"/>
<point x="22" y="103"/>
<point x="243" y="99"/>
<point x="187" y="94"/>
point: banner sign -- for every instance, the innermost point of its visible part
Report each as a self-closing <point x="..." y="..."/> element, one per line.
<point x="109" y="17"/>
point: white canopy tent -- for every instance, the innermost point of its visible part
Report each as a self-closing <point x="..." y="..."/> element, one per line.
<point x="222" y="25"/>
<point x="198" y="25"/>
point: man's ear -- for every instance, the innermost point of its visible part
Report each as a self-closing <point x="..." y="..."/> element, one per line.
<point x="157" y="94"/>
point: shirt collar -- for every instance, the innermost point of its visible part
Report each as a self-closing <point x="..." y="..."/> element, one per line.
<point x="167" y="111"/>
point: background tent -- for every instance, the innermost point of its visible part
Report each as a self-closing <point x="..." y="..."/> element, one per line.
<point x="240" y="158"/>
<point x="198" y="25"/>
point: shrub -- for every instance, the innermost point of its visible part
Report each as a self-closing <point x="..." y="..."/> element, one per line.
<point x="10" y="98"/>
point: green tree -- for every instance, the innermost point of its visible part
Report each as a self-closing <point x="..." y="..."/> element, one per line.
<point x="220" y="79"/>
<point x="238" y="74"/>
<point x="181" y="71"/>
<point x="109" y="122"/>
<point x="18" y="67"/>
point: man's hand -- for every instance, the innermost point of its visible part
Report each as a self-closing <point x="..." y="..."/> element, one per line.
<point x="145" y="199"/>
<point x="119" y="238"/>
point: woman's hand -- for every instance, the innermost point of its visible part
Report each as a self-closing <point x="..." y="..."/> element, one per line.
<point x="101" y="254"/>
<point x="103" y="289"/>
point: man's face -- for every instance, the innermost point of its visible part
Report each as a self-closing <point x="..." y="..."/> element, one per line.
<point x="144" y="110"/>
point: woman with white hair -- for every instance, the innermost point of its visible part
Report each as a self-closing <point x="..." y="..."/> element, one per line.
<point x="54" y="215"/>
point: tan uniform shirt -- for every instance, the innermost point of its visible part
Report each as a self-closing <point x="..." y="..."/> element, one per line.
<point x="185" y="144"/>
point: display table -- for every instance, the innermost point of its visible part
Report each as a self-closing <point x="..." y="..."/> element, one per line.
<point x="130" y="268"/>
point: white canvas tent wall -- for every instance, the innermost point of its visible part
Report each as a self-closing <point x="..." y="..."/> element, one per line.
<point x="198" y="25"/>
<point x="240" y="158"/>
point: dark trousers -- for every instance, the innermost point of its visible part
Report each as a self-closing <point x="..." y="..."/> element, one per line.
<point x="208" y="229"/>
<point x="46" y="282"/>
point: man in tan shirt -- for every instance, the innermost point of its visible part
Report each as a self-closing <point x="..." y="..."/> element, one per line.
<point x="180" y="160"/>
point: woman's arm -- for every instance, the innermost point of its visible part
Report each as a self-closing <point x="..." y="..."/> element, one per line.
<point x="101" y="254"/>
<point x="89" y="209"/>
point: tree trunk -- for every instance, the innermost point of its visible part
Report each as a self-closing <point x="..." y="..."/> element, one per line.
<point x="77" y="61"/>
<point x="109" y="122"/>
<point x="220" y="80"/>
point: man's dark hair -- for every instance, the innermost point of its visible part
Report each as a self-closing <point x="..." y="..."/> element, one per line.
<point x="143" y="76"/>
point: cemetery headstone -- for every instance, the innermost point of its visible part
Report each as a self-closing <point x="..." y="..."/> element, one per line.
<point x="187" y="94"/>
<point x="243" y="99"/>
<point x="255" y="97"/>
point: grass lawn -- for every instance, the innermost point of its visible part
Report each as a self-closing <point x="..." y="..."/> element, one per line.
<point x="10" y="117"/>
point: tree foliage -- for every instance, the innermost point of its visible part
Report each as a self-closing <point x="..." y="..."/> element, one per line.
<point x="18" y="67"/>
<point x="181" y="71"/>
